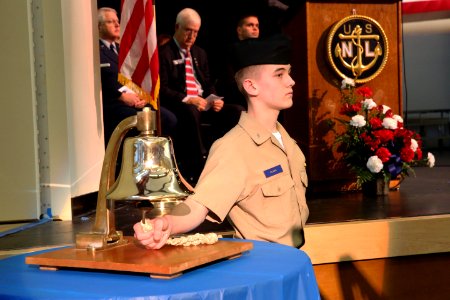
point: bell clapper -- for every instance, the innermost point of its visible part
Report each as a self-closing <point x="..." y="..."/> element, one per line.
<point x="145" y="206"/>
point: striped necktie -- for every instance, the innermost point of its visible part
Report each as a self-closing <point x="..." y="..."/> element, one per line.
<point x="191" y="85"/>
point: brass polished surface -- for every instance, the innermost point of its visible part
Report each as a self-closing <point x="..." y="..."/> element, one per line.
<point x="149" y="175"/>
<point x="149" y="172"/>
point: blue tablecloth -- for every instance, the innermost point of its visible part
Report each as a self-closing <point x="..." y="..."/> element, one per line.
<point x="268" y="271"/>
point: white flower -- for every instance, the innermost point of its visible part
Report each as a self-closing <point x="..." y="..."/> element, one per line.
<point x="358" y="121"/>
<point x="385" y="108"/>
<point x="368" y="104"/>
<point x="397" y="118"/>
<point x="414" y="145"/>
<point x="431" y="160"/>
<point x="389" y="123"/>
<point x="374" y="164"/>
<point x="346" y="82"/>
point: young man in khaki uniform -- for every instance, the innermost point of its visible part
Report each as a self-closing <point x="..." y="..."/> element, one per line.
<point x="255" y="175"/>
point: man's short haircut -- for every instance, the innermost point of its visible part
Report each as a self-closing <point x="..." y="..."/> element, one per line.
<point x="244" y="73"/>
<point x="241" y="19"/>
<point x="186" y="15"/>
<point x="101" y="13"/>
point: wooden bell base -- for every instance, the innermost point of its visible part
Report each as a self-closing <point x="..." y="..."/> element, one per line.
<point x="166" y="263"/>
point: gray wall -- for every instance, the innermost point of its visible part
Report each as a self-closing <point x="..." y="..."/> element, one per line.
<point x="427" y="64"/>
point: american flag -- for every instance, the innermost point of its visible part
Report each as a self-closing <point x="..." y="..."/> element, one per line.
<point x="138" y="55"/>
<point x="424" y="6"/>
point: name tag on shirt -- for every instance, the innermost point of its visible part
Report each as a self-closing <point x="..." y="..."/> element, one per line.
<point x="273" y="171"/>
<point x="178" y="61"/>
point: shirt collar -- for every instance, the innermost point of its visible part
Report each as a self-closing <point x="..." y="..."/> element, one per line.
<point x="107" y="44"/>
<point x="257" y="132"/>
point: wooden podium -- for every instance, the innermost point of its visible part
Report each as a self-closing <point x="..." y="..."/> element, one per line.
<point x="312" y="119"/>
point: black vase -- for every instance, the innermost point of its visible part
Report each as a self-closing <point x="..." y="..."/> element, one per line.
<point x="378" y="187"/>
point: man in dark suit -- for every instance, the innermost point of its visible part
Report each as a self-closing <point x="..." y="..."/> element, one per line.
<point x="119" y="102"/>
<point x="191" y="105"/>
<point x="247" y="27"/>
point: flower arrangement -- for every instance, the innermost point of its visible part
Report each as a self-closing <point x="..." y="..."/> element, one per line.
<point x="375" y="143"/>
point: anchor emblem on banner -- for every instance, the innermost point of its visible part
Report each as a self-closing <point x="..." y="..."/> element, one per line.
<point x="357" y="66"/>
<point x="357" y="48"/>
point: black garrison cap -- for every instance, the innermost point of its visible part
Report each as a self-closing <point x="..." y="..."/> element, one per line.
<point x="272" y="50"/>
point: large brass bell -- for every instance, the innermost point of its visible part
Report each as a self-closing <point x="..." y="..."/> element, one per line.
<point x="148" y="175"/>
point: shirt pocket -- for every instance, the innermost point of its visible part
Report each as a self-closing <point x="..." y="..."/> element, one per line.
<point x="277" y="187"/>
<point x="278" y="202"/>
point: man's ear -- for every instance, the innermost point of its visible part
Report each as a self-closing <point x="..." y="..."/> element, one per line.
<point x="250" y="87"/>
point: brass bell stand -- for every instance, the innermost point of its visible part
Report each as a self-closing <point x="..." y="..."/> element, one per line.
<point x="149" y="174"/>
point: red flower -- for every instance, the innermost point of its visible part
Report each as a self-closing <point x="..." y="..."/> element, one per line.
<point x="345" y="110"/>
<point x="407" y="154"/>
<point x="350" y="109"/>
<point x="407" y="142"/>
<point x="366" y="92"/>
<point x="403" y="133"/>
<point x="385" y="135"/>
<point x="369" y="141"/>
<point x="380" y="108"/>
<point x="356" y="107"/>
<point x="383" y="154"/>
<point x="376" y="123"/>
<point x="389" y="113"/>
<point x="419" y="153"/>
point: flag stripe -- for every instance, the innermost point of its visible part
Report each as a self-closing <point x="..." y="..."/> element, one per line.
<point x="154" y="71"/>
<point x="424" y="6"/>
<point x="142" y="66"/>
<point x="148" y="16"/>
<point x="138" y="57"/>
<point x="135" y="49"/>
<point x="129" y="27"/>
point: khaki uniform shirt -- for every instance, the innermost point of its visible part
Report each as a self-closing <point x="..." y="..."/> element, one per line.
<point x="257" y="182"/>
